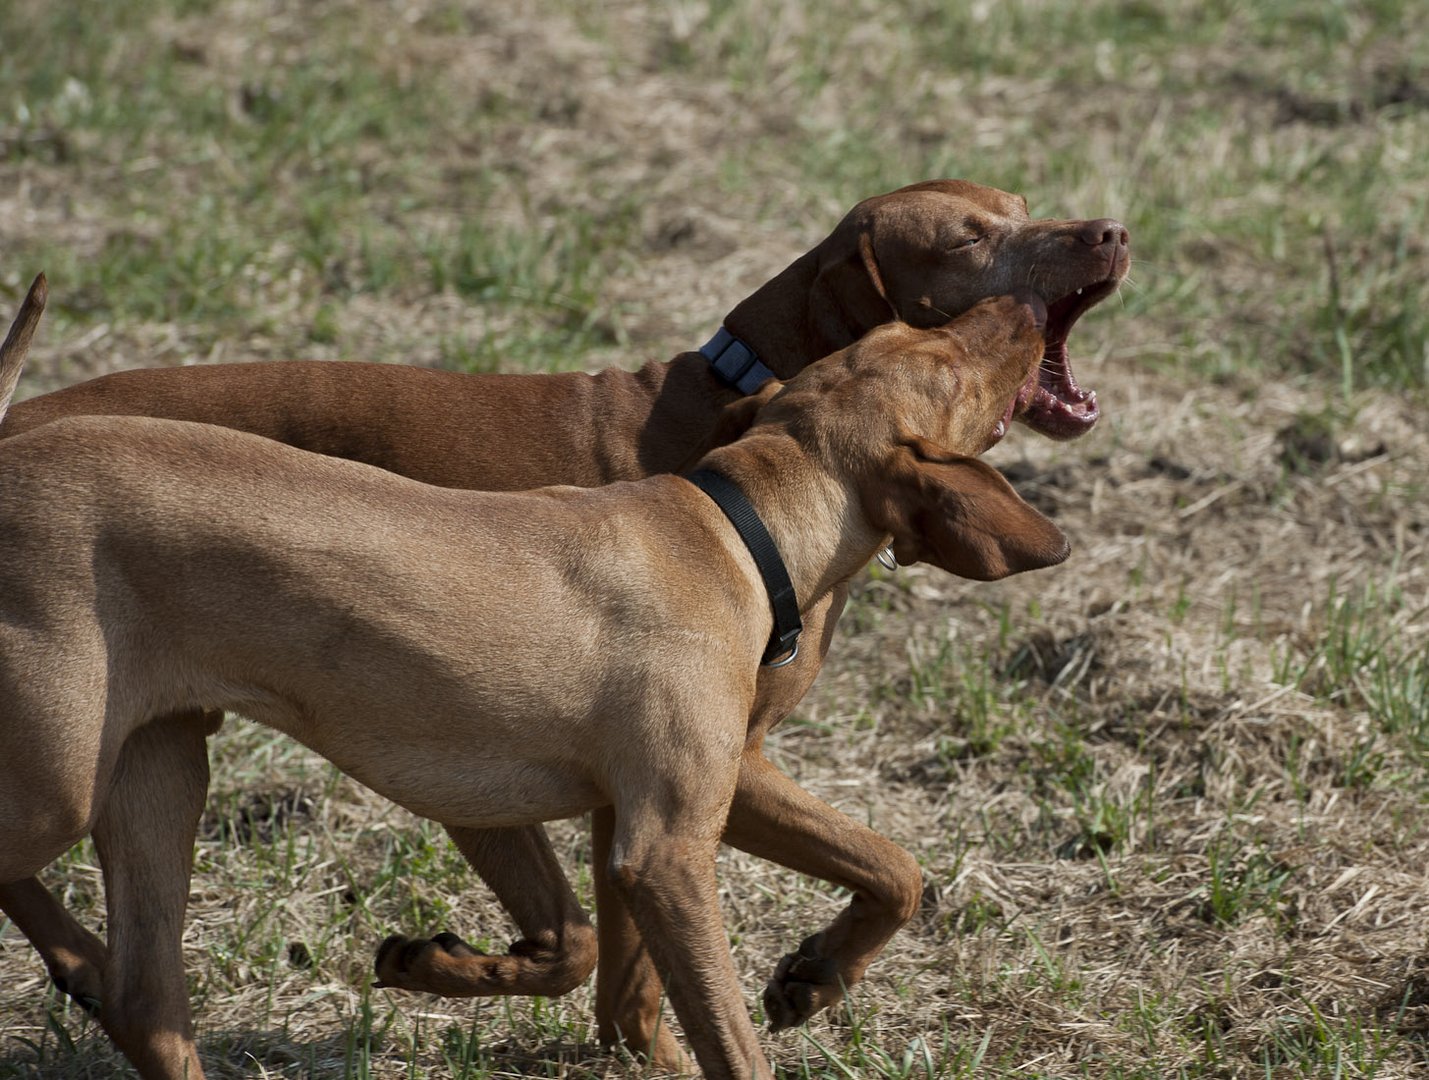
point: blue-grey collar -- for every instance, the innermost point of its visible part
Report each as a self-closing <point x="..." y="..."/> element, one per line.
<point x="735" y="362"/>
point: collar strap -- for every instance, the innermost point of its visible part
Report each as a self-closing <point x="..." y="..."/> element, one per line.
<point x="784" y="641"/>
<point x="735" y="362"/>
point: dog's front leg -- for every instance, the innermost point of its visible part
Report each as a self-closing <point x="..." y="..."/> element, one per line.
<point x="628" y="991"/>
<point x="663" y="865"/>
<point x="774" y="818"/>
<point x="74" y="957"/>
<point x="556" y="952"/>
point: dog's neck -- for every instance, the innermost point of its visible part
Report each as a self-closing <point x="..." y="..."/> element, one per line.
<point x="813" y="513"/>
<point x="776" y="321"/>
<point x="685" y="397"/>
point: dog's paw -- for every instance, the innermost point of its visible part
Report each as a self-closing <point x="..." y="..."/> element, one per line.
<point x="78" y="970"/>
<point x="804" y="983"/>
<point x="422" y="964"/>
<point x="448" y="966"/>
<point x="76" y="989"/>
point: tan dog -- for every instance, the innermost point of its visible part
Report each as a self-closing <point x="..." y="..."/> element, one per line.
<point x="920" y="254"/>
<point x="608" y="658"/>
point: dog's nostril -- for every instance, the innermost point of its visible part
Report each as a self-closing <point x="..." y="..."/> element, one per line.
<point x="1104" y="231"/>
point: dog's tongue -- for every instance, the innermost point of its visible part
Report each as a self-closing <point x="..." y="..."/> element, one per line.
<point x="1051" y="402"/>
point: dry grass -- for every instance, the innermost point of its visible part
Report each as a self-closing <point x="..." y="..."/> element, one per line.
<point x="1169" y="797"/>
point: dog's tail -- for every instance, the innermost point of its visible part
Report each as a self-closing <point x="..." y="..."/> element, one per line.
<point x="17" y="342"/>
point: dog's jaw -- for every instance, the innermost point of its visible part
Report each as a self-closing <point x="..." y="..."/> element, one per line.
<point x="1051" y="402"/>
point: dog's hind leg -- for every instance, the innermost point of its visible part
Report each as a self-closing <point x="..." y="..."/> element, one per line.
<point x="556" y="952"/>
<point x="74" y="957"/>
<point x="145" y="839"/>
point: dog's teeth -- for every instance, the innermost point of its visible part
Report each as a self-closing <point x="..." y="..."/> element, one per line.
<point x="1079" y="292"/>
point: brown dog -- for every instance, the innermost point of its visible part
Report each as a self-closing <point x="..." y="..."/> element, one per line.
<point x="920" y="254"/>
<point x="607" y="659"/>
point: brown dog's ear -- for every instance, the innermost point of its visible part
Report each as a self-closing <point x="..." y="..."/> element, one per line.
<point x="848" y="298"/>
<point x="959" y="513"/>
<point x="733" y="421"/>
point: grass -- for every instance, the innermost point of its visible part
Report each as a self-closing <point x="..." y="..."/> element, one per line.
<point x="330" y="174"/>
<point x="1366" y="647"/>
<point x="1169" y="799"/>
<point x="322" y="175"/>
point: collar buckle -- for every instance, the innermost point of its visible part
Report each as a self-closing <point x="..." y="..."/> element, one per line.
<point x="787" y="643"/>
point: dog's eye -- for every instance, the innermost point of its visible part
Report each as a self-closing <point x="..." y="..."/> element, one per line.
<point x="966" y="242"/>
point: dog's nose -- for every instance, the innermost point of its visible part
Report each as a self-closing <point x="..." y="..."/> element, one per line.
<point x="1103" y="231"/>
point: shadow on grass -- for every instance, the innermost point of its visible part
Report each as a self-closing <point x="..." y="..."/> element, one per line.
<point x="66" y="1052"/>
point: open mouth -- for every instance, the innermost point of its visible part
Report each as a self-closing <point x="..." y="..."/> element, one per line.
<point x="1051" y="402"/>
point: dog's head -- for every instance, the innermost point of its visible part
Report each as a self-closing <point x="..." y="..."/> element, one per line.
<point x="902" y="414"/>
<point x="928" y="252"/>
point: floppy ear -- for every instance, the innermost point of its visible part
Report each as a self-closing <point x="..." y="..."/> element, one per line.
<point x="733" y="421"/>
<point x="959" y="513"/>
<point x="847" y="298"/>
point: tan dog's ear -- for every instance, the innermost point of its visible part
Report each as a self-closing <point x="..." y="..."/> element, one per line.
<point x="17" y="341"/>
<point x="733" y="421"/>
<point x="848" y="298"/>
<point x="959" y="513"/>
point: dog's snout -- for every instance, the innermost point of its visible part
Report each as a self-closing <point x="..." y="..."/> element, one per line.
<point x="1104" y="231"/>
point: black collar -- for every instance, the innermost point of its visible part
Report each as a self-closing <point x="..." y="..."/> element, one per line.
<point x="735" y="363"/>
<point x="784" y="641"/>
